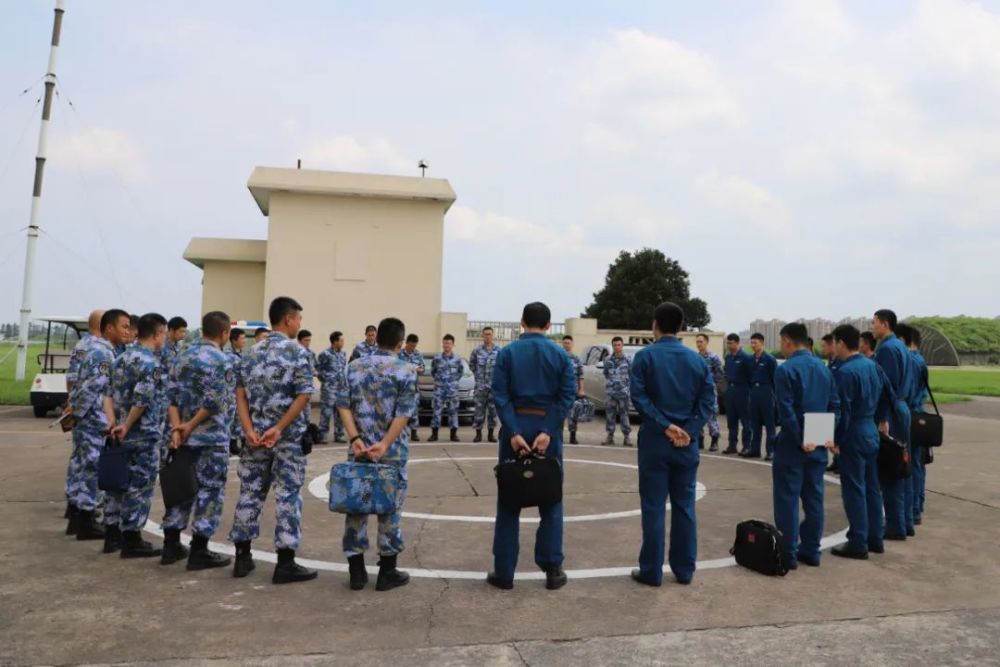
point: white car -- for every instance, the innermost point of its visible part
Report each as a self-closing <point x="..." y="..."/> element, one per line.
<point x="594" y="382"/>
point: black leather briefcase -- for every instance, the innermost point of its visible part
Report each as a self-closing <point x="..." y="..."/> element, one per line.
<point x="893" y="458"/>
<point x="758" y="547"/>
<point x="926" y="429"/>
<point x="533" y="481"/>
<point x="178" y="480"/>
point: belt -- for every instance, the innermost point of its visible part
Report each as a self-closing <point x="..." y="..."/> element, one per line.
<point x="535" y="412"/>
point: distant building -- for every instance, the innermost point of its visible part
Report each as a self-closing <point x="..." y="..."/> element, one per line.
<point x="817" y="328"/>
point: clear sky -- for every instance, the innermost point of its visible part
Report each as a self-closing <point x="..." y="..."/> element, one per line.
<point x="800" y="159"/>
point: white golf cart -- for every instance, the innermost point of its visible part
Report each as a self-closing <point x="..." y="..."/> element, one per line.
<point x="48" y="391"/>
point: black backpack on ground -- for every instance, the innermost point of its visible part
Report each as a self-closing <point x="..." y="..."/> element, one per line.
<point x="758" y="547"/>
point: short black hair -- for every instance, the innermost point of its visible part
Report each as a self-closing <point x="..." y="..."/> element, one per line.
<point x="669" y="317"/>
<point x="304" y="333"/>
<point x="757" y="336"/>
<point x="869" y="338"/>
<point x="370" y="328"/>
<point x="235" y="333"/>
<point x="902" y="331"/>
<point x="796" y="332"/>
<point x="448" y="337"/>
<point x="110" y="318"/>
<point x="733" y="337"/>
<point x="176" y="322"/>
<point x="485" y="329"/>
<point x="888" y="317"/>
<point x="536" y="315"/>
<point x="617" y="339"/>
<point x="260" y="330"/>
<point x="412" y="338"/>
<point x="335" y="336"/>
<point x="810" y="342"/>
<point x="281" y="307"/>
<point x="390" y="333"/>
<point x="828" y="338"/>
<point x="848" y="335"/>
<point x="214" y="323"/>
<point x="916" y="338"/>
<point x="149" y="324"/>
<point x="567" y="337"/>
<point x="702" y="335"/>
<point x="133" y="321"/>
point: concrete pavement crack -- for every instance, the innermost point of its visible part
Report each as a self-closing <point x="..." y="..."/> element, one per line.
<point x="964" y="500"/>
<point x="461" y="472"/>
<point x="518" y="651"/>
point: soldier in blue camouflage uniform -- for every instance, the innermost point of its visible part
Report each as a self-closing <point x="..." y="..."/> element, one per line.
<point x="368" y="346"/>
<point x="177" y="328"/>
<point x="376" y="403"/>
<point x="237" y="341"/>
<point x="573" y="418"/>
<point x="93" y="421"/>
<point x="198" y="391"/>
<point x="714" y="363"/>
<point x="616" y="374"/>
<point x="274" y="385"/>
<point x="481" y="362"/>
<point x="79" y="353"/>
<point x="411" y="355"/>
<point x="139" y="400"/>
<point x="330" y="365"/>
<point x="447" y="369"/>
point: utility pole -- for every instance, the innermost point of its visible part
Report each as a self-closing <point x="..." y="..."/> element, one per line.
<point x="36" y="196"/>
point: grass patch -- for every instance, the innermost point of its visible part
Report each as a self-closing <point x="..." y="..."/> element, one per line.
<point x="966" y="381"/>
<point x="13" y="392"/>
<point x="945" y="399"/>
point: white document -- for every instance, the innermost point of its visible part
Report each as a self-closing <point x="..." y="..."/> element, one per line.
<point x="818" y="429"/>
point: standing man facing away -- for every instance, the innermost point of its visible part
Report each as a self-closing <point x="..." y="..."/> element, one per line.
<point x="802" y="384"/>
<point x="199" y="392"/>
<point x="761" y="398"/>
<point x="447" y="369"/>
<point x="534" y="387"/>
<point x="674" y="392"/>
<point x="376" y="401"/>
<point x="714" y="364"/>
<point x="80" y="352"/>
<point x="237" y="341"/>
<point x="481" y="362"/>
<point x="616" y="376"/>
<point x="366" y="347"/>
<point x="273" y="387"/>
<point x="411" y="355"/>
<point x="330" y="366"/>
<point x="739" y="370"/>
<point x="572" y="420"/>
<point x="918" y="397"/>
<point x="833" y="363"/>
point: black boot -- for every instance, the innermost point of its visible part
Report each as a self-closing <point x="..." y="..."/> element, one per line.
<point x="714" y="447"/>
<point x="86" y="526"/>
<point x="74" y="520"/>
<point x="479" y="435"/>
<point x="201" y="558"/>
<point x="434" y="435"/>
<point x="69" y="510"/>
<point x="413" y="435"/>
<point x="359" y="575"/>
<point x="244" y="564"/>
<point x="287" y="571"/>
<point x="572" y="438"/>
<point x="491" y="436"/>
<point x="388" y="576"/>
<point x="112" y="540"/>
<point x="454" y="435"/>
<point x="555" y="578"/>
<point x="173" y="550"/>
<point x="133" y="546"/>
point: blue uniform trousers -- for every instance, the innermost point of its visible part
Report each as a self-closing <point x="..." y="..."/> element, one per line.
<point x="860" y="490"/>
<point x="738" y="414"/>
<point x="667" y="472"/>
<point x="918" y="480"/>
<point x="549" y="536"/>
<point x="761" y="416"/>
<point x="798" y="475"/>
<point x="81" y="474"/>
<point x="894" y="491"/>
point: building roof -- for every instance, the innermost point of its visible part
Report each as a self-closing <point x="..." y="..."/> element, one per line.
<point x="202" y="249"/>
<point x="265" y="180"/>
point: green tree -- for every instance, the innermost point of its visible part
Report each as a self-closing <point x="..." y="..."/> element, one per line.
<point x="638" y="282"/>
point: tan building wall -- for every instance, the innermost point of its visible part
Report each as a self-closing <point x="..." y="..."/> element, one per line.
<point x="585" y="333"/>
<point x="236" y="288"/>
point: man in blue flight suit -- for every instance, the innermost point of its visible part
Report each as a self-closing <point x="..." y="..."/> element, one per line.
<point x="864" y="398"/>
<point x="802" y="384"/>
<point x="673" y="390"/>
<point x="761" y="398"/>
<point x="534" y="387"/>
<point x="833" y="362"/>
<point x="918" y="397"/>
<point x="739" y="370"/>
<point x="893" y="357"/>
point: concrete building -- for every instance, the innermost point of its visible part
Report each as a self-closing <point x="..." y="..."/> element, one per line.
<point x="817" y="328"/>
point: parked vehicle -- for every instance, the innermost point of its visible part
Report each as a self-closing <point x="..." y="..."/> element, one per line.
<point x="48" y="390"/>
<point x="593" y="373"/>
<point x="466" y="388"/>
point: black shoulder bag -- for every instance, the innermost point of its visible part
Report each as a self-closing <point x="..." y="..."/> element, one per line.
<point x="532" y="481"/>
<point x="926" y="429"/>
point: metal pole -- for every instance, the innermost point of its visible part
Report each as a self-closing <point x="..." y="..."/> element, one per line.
<point x="36" y="196"/>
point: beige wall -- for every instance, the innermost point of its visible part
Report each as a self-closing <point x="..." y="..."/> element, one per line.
<point x="585" y="333"/>
<point x="351" y="261"/>
<point x="236" y="288"/>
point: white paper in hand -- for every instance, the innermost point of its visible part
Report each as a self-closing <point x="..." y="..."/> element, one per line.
<point x="818" y="428"/>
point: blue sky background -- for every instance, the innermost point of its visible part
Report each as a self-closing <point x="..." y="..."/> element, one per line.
<point x="800" y="159"/>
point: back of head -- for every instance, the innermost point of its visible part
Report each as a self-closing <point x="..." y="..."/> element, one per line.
<point x="887" y="316"/>
<point x="214" y="324"/>
<point x="669" y="317"/>
<point x="904" y="332"/>
<point x="848" y="335"/>
<point x="282" y="307"/>
<point x="94" y="321"/>
<point x="149" y="325"/>
<point x="795" y="332"/>
<point x="536" y="315"/>
<point x="390" y="333"/>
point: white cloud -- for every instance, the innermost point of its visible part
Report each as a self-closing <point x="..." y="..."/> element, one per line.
<point x="468" y="225"/>
<point x="347" y="153"/>
<point x="962" y="35"/>
<point x="102" y="149"/>
<point x="744" y="200"/>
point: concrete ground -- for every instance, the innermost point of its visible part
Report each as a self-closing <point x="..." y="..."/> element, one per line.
<point x="934" y="599"/>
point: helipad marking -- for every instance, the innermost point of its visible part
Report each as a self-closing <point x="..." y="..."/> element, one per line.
<point x="590" y="573"/>
<point x="318" y="488"/>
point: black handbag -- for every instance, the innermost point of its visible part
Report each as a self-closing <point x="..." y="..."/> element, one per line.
<point x="758" y="547"/>
<point x="532" y="481"/>
<point x="112" y="467"/>
<point x="928" y="455"/>
<point x="926" y="429"/>
<point x="310" y="438"/>
<point x="893" y="458"/>
<point x="178" y="481"/>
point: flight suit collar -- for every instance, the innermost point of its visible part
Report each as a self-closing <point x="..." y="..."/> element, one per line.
<point x="667" y="340"/>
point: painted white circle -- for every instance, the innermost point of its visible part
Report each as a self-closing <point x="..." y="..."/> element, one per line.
<point x="588" y="573"/>
<point x="318" y="488"/>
